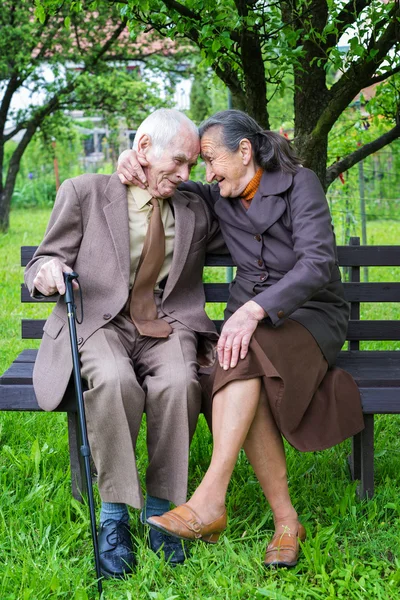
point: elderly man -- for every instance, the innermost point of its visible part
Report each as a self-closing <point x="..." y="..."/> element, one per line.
<point x="140" y="255"/>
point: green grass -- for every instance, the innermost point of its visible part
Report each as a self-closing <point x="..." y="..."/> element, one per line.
<point x="352" y="550"/>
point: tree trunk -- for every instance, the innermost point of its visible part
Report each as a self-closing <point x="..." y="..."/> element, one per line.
<point x="12" y="172"/>
<point x="311" y="95"/>
<point x="5" y="201"/>
<point x="7" y="192"/>
<point x="314" y="154"/>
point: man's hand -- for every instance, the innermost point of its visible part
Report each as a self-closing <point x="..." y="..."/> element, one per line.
<point x="236" y="334"/>
<point x="50" y="280"/>
<point x="130" y="170"/>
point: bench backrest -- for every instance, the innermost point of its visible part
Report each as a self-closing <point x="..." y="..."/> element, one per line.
<point x="352" y="258"/>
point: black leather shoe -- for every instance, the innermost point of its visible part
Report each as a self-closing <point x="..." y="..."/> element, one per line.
<point x="174" y="550"/>
<point x="116" y="551"/>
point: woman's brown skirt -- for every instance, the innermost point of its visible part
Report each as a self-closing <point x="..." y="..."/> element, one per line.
<point x="314" y="407"/>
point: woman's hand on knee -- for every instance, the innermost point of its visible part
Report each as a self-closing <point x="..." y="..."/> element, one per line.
<point x="236" y="334"/>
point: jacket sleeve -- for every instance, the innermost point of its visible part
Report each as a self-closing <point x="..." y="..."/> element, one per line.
<point x="208" y="193"/>
<point x="313" y="245"/>
<point x="63" y="235"/>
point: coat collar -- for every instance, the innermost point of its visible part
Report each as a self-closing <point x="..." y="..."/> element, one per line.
<point x="268" y="204"/>
<point x="116" y="214"/>
<point x="265" y="209"/>
<point x="274" y="183"/>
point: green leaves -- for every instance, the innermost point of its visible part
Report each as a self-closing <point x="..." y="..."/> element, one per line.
<point x="40" y="13"/>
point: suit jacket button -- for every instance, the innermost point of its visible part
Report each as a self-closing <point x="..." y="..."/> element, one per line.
<point x="80" y="340"/>
<point x="257" y="237"/>
<point x="263" y="277"/>
<point x="280" y="314"/>
<point x="260" y="262"/>
<point x="107" y="316"/>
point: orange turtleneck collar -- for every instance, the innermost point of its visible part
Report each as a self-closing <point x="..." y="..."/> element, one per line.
<point x="250" y="190"/>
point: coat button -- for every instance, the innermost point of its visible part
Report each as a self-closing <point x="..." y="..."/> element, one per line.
<point x="257" y="237"/>
<point x="280" y="314"/>
<point x="107" y="316"/>
<point x="260" y="262"/>
<point x="80" y="340"/>
<point x="263" y="277"/>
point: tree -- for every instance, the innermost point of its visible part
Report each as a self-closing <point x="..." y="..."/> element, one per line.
<point x="255" y="47"/>
<point x="70" y="60"/>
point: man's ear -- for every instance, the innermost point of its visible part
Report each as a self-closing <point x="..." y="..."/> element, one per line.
<point x="144" y="145"/>
<point x="246" y="151"/>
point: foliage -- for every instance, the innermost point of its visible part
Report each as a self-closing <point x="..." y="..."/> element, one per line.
<point x="261" y="49"/>
<point x="36" y="183"/>
<point x="200" y="99"/>
<point x="65" y="60"/>
<point x="352" y="550"/>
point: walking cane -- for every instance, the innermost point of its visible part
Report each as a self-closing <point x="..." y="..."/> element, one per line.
<point x="85" y="450"/>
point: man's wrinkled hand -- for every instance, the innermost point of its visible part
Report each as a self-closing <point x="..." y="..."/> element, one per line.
<point x="236" y="334"/>
<point x="50" y="279"/>
<point x="130" y="170"/>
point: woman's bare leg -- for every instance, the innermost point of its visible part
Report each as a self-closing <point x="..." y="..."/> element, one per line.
<point x="234" y="408"/>
<point x="265" y="452"/>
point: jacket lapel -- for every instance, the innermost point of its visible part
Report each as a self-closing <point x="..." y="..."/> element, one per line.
<point x="184" y="230"/>
<point x="268" y="206"/>
<point x="116" y="214"/>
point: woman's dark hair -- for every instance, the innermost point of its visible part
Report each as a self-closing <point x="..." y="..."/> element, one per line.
<point x="271" y="150"/>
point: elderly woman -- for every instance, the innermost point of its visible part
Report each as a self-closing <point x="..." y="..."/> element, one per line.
<point x="285" y="322"/>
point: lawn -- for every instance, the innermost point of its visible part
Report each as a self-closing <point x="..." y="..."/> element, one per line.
<point x="352" y="550"/>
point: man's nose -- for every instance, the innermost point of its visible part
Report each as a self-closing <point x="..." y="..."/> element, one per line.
<point x="184" y="172"/>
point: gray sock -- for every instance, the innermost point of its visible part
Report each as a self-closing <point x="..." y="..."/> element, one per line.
<point x="154" y="507"/>
<point x="115" y="511"/>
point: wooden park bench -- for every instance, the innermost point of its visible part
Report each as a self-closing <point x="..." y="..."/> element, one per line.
<point x="377" y="373"/>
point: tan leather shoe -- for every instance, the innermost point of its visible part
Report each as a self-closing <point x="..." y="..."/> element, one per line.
<point x="283" y="549"/>
<point x="184" y="523"/>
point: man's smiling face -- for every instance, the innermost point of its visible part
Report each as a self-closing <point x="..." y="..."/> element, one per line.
<point x="167" y="170"/>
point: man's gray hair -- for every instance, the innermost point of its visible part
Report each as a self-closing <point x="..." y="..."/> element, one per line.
<point x="162" y="126"/>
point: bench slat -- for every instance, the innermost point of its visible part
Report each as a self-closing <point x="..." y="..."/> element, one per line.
<point x="28" y="355"/>
<point x="22" y="397"/>
<point x="372" y="292"/>
<point x="382" y="400"/>
<point x="18" y="397"/>
<point x="26" y="254"/>
<point x="349" y="256"/>
<point x="369" y="256"/>
<point x="26" y="297"/>
<point x="358" y="330"/>
<point x="219" y="292"/>
<point x="371" y="371"/>
<point x="374" y="330"/>
<point x="32" y="329"/>
<point x="18" y="373"/>
<point x="383" y="371"/>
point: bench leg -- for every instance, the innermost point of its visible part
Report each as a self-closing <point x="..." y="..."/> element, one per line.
<point x="78" y="482"/>
<point x="355" y="457"/>
<point x="361" y="460"/>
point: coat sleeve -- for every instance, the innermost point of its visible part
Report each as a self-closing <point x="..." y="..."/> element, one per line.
<point x="208" y="193"/>
<point x="63" y="235"/>
<point x="313" y="245"/>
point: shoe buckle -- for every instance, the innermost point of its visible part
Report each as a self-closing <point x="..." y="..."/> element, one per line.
<point x="196" y="527"/>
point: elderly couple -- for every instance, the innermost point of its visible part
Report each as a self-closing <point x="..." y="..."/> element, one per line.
<point x="138" y="241"/>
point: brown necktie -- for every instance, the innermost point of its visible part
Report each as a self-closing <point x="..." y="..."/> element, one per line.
<point x="142" y="306"/>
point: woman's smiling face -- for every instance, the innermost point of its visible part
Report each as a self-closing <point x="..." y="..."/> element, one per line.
<point x="232" y="170"/>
